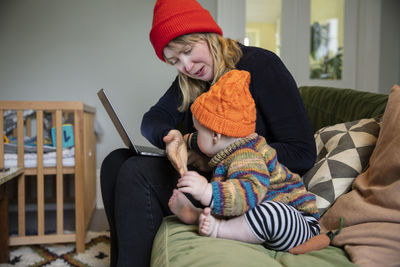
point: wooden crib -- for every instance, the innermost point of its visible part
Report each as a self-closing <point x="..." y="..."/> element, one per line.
<point x="83" y="171"/>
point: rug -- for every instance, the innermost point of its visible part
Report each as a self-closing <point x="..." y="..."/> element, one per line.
<point x="97" y="253"/>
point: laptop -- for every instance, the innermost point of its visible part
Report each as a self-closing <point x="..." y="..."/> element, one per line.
<point x="137" y="149"/>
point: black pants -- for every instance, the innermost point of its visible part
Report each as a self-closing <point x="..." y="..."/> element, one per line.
<point x="135" y="192"/>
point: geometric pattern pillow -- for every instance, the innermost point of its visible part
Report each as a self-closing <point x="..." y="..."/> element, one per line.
<point x="343" y="152"/>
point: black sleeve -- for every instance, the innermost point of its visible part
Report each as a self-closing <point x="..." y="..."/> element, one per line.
<point x="281" y="116"/>
<point x="163" y="116"/>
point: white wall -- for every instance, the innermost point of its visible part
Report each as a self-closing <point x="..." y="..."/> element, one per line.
<point x="68" y="50"/>
<point x="369" y="41"/>
<point x="389" y="67"/>
<point x="232" y="18"/>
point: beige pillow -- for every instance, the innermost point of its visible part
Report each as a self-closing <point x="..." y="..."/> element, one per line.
<point x="371" y="211"/>
<point x="343" y="151"/>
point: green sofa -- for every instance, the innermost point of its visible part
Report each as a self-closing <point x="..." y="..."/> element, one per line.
<point x="177" y="244"/>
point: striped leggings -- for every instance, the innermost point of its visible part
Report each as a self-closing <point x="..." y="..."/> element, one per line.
<point x="281" y="227"/>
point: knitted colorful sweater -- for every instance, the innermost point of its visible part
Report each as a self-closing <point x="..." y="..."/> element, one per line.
<point x="247" y="173"/>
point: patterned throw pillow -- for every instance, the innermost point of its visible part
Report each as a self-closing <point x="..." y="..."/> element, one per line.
<point x="343" y="152"/>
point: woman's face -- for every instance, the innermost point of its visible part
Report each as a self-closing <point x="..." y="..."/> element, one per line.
<point x="193" y="60"/>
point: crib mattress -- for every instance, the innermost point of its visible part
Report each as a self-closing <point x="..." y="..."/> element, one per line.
<point x="49" y="159"/>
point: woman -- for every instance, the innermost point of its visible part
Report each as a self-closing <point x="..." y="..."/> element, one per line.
<point x="136" y="189"/>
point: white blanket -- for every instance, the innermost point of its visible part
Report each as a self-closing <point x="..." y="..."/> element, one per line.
<point x="49" y="159"/>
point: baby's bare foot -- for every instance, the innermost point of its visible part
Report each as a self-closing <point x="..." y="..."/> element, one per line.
<point x="181" y="206"/>
<point x="208" y="224"/>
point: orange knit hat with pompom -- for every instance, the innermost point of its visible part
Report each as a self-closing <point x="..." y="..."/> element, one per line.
<point x="173" y="18"/>
<point x="228" y="107"/>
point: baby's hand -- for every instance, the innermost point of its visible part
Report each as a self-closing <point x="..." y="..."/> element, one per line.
<point x="193" y="183"/>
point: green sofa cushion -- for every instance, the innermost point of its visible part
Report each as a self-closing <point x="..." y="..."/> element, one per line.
<point x="328" y="106"/>
<point x="177" y="244"/>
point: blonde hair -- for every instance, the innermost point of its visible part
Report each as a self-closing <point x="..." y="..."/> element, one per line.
<point x="225" y="52"/>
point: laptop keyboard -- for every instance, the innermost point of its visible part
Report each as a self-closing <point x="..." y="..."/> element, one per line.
<point x="150" y="149"/>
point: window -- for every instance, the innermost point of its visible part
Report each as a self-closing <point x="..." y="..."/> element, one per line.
<point x="326" y="47"/>
<point x="263" y="19"/>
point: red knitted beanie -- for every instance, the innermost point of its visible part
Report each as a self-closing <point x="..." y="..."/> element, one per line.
<point x="173" y="18"/>
<point x="228" y="107"/>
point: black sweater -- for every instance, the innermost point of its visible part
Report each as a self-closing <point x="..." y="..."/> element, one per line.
<point x="281" y="116"/>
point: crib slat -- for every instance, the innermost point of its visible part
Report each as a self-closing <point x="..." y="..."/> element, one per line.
<point x="40" y="174"/>
<point x="79" y="183"/>
<point x="53" y="119"/>
<point x="46" y="239"/>
<point x="46" y="105"/>
<point x="84" y="182"/>
<point x="59" y="175"/>
<point x="28" y="125"/>
<point x="50" y="171"/>
<point x="1" y="140"/>
<point x="89" y="150"/>
<point x="20" y="137"/>
<point x="21" y="179"/>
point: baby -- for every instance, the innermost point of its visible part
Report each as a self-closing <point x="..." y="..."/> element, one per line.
<point x="259" y="199"/>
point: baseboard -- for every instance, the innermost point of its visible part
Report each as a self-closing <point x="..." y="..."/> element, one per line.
<point x="99" y="198"/>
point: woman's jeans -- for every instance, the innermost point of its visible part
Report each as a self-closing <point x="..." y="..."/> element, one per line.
<point x="135" y="191"/>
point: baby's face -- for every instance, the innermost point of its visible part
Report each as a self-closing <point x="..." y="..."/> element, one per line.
<point x="205" y="139"/>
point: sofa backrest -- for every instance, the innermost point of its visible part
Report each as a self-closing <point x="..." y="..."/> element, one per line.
<point x="328" y="106"/>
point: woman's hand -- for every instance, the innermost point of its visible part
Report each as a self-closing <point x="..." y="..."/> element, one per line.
<point x="176" y="150"/>
<point x="193" y="183"/>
